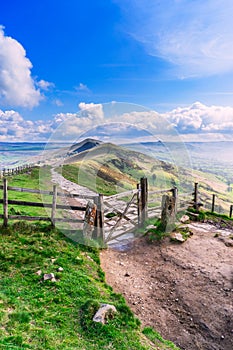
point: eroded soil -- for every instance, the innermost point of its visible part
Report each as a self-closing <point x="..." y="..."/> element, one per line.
<point x="184" y="291"/>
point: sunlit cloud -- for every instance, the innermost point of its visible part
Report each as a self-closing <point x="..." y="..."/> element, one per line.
<point x="196" y="122"/>
<point x="82" y="87"/>
<point x="17" y="87"/>
<point x="45" y="85"/>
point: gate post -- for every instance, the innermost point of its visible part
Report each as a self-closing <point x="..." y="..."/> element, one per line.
<point x="144" y="199"/>
<point x="168" y="214"/>
<point x="213" y="203"/>
<point x="99" y="219"/>
<point x="195" y="196"/>
<point x="139" y="203"/>
<point x="231" y="209"/>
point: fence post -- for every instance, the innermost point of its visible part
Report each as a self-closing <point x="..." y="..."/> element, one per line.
<point x="139" y="203"/>
<point x="175" y="196"/>
<point x="99" y="220"/>
<point x="144" y="198"/>
<point x="195" y="196"/>
<point x="168" y="214"/>
<point x="231" y="209"/>
<point x="54" y="205"/>
<point x="5" y="203"/>
<point x="213" y="203"/>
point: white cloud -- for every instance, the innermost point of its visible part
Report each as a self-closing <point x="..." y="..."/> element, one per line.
<point x="17" y="88"/>
<point x="82" y="87"/>
<point x="45" y="85"/>
<point x="58" y="102"/>
<point x="91" y="110"/>
<point x="192" y="123"/>
<point x="196" y="36"/>
<point x="200" y="119"/>
<point x="13" y="127"/>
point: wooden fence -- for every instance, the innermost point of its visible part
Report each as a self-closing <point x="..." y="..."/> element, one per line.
<point x="53" y="205"/>
<point x="106" y="217"/>
<point x="17" y="170"/>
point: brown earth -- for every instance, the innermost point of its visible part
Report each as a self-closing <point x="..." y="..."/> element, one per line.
<point x="184" y="291"/>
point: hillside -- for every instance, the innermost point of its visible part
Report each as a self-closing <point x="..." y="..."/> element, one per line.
<point x="109" y="169"/>
<point x="41" y="314"/>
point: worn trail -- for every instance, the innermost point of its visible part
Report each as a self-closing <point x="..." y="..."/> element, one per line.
<point x="184" y="291"/>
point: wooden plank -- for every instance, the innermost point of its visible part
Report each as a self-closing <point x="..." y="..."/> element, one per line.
<point x="40" y="218"/>
<point x="154" y="208"/>
<point x="71" y="207"/>
<point x="119" y="195"/>
<point x="45" y="205"/>
<point x="76" y="195"/>
<point x="29" y="190"/>
<point x="117" y="211"/>
<point x="69" y="220"/>
<point x="60" y="194"/>
<point x="121" y="217"/>
<point x="159" y="191"/>
<point x="29" y="218"/>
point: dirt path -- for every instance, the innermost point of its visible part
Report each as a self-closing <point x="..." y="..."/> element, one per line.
<point x="184" y="291"/>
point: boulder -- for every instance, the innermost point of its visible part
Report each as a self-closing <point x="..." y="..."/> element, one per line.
<point x="185" y="219"/>
<point x="105" y="311"/>
<point x="177" y="237"/>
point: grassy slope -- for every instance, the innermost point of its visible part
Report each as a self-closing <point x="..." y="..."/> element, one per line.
<point x="28" y="180"/>
<point x="109" y="169"/>
<point x="37" y="314"/>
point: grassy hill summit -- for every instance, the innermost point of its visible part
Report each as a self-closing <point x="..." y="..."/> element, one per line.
<point x="108" y="168"/>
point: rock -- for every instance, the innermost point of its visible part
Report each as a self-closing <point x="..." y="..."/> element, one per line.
<point x="176" y="236"/>
<point x="49" y="276"/>
<point x="185" y="219"/>
<point x="105" y="311"/>
<point x="60" y="269"/>
<point x="228" y="243"/>
<point x="149" y="227"/>
<point x="39" y="272"/>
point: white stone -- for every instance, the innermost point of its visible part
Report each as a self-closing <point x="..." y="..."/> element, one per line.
<point x="184" y="219"/>
<point x="49" y="276"/>
<point x="105" y="311"/>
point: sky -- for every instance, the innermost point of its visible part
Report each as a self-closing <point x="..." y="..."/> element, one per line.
<point x="63" y="61"/>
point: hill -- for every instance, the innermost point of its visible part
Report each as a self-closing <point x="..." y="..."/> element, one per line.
<point x="38" y="313"/>
<point x="109" y="169"/>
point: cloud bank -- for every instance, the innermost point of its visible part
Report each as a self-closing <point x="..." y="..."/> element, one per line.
<point x="196" y="122"/>
<point x="195" y="36"/>
<point x="17" y="87"/>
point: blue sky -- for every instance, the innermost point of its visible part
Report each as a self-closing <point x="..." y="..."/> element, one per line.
<point x="60" y="57"/>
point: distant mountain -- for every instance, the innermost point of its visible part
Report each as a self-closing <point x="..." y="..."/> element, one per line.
<point x="82" y="146"/>
<point x="118" y="166"/>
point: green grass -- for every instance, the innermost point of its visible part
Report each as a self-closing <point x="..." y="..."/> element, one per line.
<point x="156" y="337"/>
<point x="37" y="314"/>
<point x="29" y="180"/>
